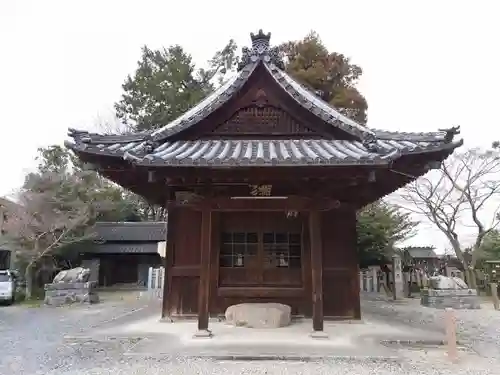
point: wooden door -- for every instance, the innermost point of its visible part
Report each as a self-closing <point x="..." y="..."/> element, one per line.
<point x="260" y="249"/>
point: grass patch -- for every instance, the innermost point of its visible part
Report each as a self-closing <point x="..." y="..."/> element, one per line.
<point x="31" y="303"/>
<point x="35" y="301"/>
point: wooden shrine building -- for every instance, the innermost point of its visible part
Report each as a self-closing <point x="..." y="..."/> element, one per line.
<point x="262" y="181"/>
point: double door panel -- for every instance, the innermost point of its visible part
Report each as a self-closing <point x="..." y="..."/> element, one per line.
<point x="260" y="249"/>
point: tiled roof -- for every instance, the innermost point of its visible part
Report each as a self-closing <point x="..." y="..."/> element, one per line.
<point x="313" y="103"/>
<point x="373" y="146"/>
<point x="263" y="152"/>
<point x="124" y="248"/>
<point x="131" y="231"/>
<point x="421" y="252"/>
<point x="267" y="152"/>
<point x="274" y="152"/>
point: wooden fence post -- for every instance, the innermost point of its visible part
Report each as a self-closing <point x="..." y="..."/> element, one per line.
<point x="451" y="335"/>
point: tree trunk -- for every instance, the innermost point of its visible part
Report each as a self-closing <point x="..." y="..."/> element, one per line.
<point x="470" y="277"/>
<point x="410" y="282"/>
<point x="28" y="275"/>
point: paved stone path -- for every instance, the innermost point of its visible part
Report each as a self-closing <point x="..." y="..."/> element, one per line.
<point x="32" y="341"/>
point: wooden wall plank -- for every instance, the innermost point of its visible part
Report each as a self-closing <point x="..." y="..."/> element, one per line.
<point x="340" y="264"/>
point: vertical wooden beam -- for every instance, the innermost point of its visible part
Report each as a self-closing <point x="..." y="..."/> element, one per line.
<point x="356" y="287"/>
<point x="306" y="264"/>
<point x="204" y="288"/>
<point x="316" y="271"/>
<point x="214" y="266"/>
<point x="352" y="247"/>
<point x="168" y="263"/>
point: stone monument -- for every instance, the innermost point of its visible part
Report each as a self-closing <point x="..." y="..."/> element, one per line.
<point x="71" y="286"/>
<point x="397" y="278"/>
<point x="449" y="292"/>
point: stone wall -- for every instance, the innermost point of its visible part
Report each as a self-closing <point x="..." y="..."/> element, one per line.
<point x="67" y="293"/>
<point x="460" y="299"/>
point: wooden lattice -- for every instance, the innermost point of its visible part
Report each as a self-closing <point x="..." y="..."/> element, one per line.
<point x="262" y="120"/>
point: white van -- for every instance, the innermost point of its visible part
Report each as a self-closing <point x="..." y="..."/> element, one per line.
<point x="7" y="286"/>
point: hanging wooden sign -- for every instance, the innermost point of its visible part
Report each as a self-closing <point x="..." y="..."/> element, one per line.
<point x="261" y="190"/>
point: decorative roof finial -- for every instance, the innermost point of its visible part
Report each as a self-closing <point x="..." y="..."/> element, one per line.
<point x="369" y="140"/>
<point x="260" y="40"/>
<point x="450" y="133"/>
<point x="260" y="51"/>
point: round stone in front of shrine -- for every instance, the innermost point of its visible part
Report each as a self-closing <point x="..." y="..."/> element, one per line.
<point x="259" y="315"/>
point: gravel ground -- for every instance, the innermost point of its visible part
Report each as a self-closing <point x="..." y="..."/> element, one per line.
<point x="32" y="341"/>
<point x="479" y="328"/>
<point x="330" y="367"/>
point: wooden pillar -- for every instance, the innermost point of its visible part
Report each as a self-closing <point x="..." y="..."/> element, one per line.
<point x="167" y="263"/>
<point x="205" y="261"/>
<point x="316" y="272"/>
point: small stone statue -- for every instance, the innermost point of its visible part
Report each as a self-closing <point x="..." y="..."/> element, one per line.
<point x="444" y="282"/>
<point x="74" y="275"/>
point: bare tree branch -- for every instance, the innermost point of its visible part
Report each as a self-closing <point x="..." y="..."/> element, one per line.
<point x="464" y="191"/>
<point x="112" y="125"/>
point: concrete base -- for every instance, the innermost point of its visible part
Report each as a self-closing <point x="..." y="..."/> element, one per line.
<point x="337" y="340"/>
<point x="193" y="318"/>
<point x="319" y="335"/>
<point x="203" y="334"/>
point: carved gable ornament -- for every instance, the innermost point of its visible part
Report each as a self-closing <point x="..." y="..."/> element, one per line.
<point x="261" y="50"/>
<point x="260" y="99"/>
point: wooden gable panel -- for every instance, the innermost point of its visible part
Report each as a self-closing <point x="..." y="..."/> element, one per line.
<point x="262" y="120"/>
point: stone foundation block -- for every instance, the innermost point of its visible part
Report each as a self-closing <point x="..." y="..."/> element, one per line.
<point x="259" y="315"/>
<point x="68" y="293"/>
<point x="459" y="299"/>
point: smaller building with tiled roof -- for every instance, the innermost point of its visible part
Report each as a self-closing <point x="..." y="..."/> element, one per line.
<point x="122" y="252"/>
<point x="425" y="252"/>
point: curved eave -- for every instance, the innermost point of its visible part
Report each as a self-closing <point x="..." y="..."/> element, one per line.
<point x="280" y="153"/>
<point x="385" y="135"/>
<point x="108" y="139"/>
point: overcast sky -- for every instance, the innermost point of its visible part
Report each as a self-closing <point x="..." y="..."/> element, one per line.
<point x="427" y="64"/>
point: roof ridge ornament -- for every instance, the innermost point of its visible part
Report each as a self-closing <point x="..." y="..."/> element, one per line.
<point x="150" y="144"/>
<point x="450" y="133"/>
<point x="261" y="50"/>
<point x="369" y="140"/>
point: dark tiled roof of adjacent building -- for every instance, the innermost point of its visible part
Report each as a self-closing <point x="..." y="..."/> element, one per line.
<point x="124" y="248"/>
<point x="154" y="147"/>
<point x="131" y="231"/>
<point x="422" y="252"/>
